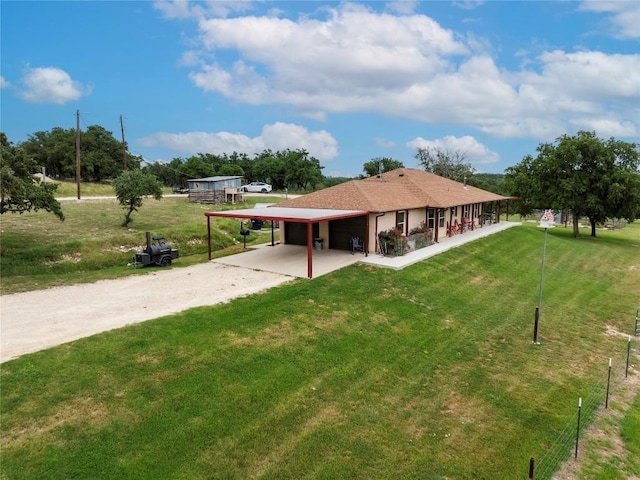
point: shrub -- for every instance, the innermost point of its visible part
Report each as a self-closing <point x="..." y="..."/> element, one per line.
<point x="392" y="241"/>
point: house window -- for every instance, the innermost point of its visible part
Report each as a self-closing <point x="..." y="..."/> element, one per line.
<point x="442" y="217"/>
<point x="465" y="211"/>
<point x="475" y="210"/>
<point x="400" y="220"/>
<point x="431" y="217"/>
<point x="454" y="211"/>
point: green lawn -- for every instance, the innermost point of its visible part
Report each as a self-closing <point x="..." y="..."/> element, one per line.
<point x="428" y="373"/>
<point x="38" y="250"/>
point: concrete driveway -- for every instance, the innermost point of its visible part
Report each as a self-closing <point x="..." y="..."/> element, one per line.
<point x="290" y="259"/>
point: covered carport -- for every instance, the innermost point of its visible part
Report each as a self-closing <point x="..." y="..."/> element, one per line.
<point x="306" y="216"/>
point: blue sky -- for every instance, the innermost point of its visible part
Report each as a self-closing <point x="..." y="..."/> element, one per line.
<point x="347" y="81"/>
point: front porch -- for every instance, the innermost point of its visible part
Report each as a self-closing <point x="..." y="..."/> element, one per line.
<point x="292" y="259"/>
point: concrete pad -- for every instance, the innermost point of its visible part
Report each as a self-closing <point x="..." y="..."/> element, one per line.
<point x="290" y="259"/>
<point x="446" y="243"/>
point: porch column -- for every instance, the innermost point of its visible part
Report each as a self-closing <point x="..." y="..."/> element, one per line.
<point x="209" y="235"/>
<point x="309" y="249"/>
<point x="366" y="235"/>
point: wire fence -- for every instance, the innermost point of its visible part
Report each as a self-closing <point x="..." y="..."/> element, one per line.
<point x="567" y="443"/>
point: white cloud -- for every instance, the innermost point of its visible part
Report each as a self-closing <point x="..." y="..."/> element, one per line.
<point x="404" y="7"/>
<point x="476" y="153"/>
<point x="624" y="16"/>
<point x="468" y="4"/>
<point x="356" y="60"/>
<point x="181" y="9"/>
<point x="4" y="83"/>
<point x="50" y="85"/>
<point x="334" y="65"/>
<point x="384" y="143"/>
<point x="278" y="136"/>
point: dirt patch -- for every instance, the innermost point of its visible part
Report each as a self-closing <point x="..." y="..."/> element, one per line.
<point x="33" y="321"/>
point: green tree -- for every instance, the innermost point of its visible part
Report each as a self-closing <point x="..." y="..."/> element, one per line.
<point x="167" y="173"/>
<point x="54" y="150"/>
<point x="491" y="182"/>
<point x="302" y="172"/>
<point x="452" y="165"/>
<point x="230" y="169"/>
<point x="131" y="187"/>
<point x="583" y="174"/>
<point x="101" y="155"/>
<point x="20" y="190"/>
<point x="196" y="167"/>
<point x="269" y="167"/>
<point x="380" y="165"/>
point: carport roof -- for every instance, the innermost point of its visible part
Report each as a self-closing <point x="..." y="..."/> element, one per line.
<point x="289" y="214"/>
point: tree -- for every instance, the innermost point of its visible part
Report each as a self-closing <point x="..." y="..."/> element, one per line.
<point x="20" y="190"/>
<point x="101" y="155"/>
<point x="302" y="172"/>
<point x="196" y="167"/>
<point x="445" y="163"/>
<point x="583" y="174"/>
<point x="167" y="173"/>
<point x="131" y="187"/>
<point x="380" y="165"/>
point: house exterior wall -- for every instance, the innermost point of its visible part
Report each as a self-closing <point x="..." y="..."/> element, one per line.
<point x="323" y="232"/>
<point x="416" y="218"/>
<point x="206" y="196"/>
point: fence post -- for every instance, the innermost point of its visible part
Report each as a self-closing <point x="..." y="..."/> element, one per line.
<point x="531" y="467"/>
<point x="578" y="428"/>
<point x="606" y="401"/>
<point x="626" y="370"/>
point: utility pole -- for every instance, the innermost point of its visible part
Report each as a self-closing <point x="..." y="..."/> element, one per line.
<point x="124" y="145"/>
<point x="78" y="151"/>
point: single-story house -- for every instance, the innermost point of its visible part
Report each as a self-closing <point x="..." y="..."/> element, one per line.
<point x="403" y="200"/>
<point x="218" y="189"/>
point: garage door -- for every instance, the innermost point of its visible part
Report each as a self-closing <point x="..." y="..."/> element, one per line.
<point x="341" y="231"/>
<point x="295" y="233"/>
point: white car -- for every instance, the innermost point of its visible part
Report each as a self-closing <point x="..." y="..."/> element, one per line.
<point x="257" y="187"/>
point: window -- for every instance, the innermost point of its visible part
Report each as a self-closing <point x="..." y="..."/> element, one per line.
<point x="431" y="217"/>
<point x="454" y="211"/>
<point x="475" y="210"/>
<point x="442" y="217"/>
<point x="400" y="220"/>
<point x="465" y="211"/>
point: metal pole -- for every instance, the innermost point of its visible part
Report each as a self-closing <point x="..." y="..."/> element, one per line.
<point x="539" y="307"/>
<point x="531" y="467"/>
<point x="578" y="429"/>
<point x="544" y="250"/>
<point x="209" y="235"/>
<point x="606" y="401"/>
<point x="626" y="370"/>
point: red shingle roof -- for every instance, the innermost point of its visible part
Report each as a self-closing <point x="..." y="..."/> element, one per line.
<point x="400" y="189"/>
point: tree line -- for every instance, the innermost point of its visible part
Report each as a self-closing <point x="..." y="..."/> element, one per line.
<point x="103" y="158"/>
<point x="583" y="175"/>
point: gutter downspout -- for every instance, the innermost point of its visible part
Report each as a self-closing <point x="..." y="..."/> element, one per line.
<point x="376" y="232"/>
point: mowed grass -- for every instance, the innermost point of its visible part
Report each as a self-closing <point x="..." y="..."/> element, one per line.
<point x="37" y="250"/>
<point x="364" y="373"/>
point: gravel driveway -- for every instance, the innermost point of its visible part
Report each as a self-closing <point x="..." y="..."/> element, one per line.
<point x="33" y="321"/>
